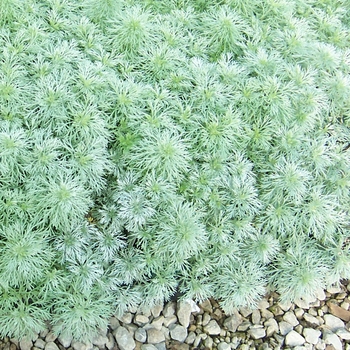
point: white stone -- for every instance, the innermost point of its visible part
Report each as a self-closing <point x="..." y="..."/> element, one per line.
<point x="208" y="343"/>
<point x="194" y="307"/>
<point x="154" y="336"/>
<point x="303" y="304"/>
<point x="263" y="304"/>
<point x="50" y="337"/>
<point x="113" y="322"/>
<point x="157" y="323"/>
<point x="311" y="319"/>
<point x="25" y="344"/>
<point x="77" y="345"/>
<point x="285" y="327"/>
<point x="156" y="310"/>
<point x="212" y="328"/>
<point x="148" y="347"/>
<point x="111" y="342"/>
<point x="100" y="340"/>
<point x="290" y="318"/>
<point x="285" y="306"/>
<point x="178" y="333"/>
<point x="257" y="333"/>
<point x="311" y="335"/>
<point x="272" y="327"/>
<point x="294" y="339"/>
<point x="256" y="317"/>
<point x="332" y="339"/>
<point x="160" y="346"/>
<point x="224" y="346"/>
<point x="206" y="319"/>
<point x="141" y="320"/>
<point x="124" y="339"/>
<point x="267" y="314"/>
<point x="184" y="310"/>
<point x="51" y="346"/>
<point x="169" y="309"/>
<point x="40" y="343"/>
<point x="244" y="311"/>
<point x="334" y="289"/>
<point x="343" y="333"/>
<point x="65" y="339"/>
<point x="333" y="323"/>
<point x="169" y="320"/>
<point x="232" y="322"/>
<point x="140" y="335"/>
<point x="190" y="338"/>
<point x="126" y="318"/>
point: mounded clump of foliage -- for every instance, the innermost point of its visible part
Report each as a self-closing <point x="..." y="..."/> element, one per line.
<point x="162" y="146"/>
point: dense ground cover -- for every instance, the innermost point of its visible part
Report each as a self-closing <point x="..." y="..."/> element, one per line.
<point x="149" y="147"/>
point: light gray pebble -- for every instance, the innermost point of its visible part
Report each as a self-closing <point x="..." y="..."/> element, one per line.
<point x="256" y="317"/>
<point x="141" y="320"/>
<point x="263" y="304"/>
<point x="131" y="328"/>
<point x="197" y="340"/>
<point x="44" y="332"/>
<point x="124" y="339"/>
<point x="148" y="347"/>
<point x="285" y="306"/>
<point x="166" y="332"/>
<point x="126" y="318"/>
<point x="303" y="304"/>
<point x="257" y="333"/>
<point x="25" y="344"/>
<point x="294" y="339"/>
<point x="272" y="327"/>
<point x="212" y="328"/>
<point x="184" y="309"/>
<point x="40" y="343"/>
<point x="299" y="313"/>
<point x="244" y="326"/>
<point x="169" y="320"/>
<point x="206" y="306"/>
<point x="205" y="319"/>
<point x="245" y="312"/>
<point x="169" y="309"/>
<point x="343" y="333"/>
<point x="311" y="335"/>
<point x="290" y="318"/>
<point x="100" y="340"/>
<point x="141" y="335"/>
<point x="224" y="346"/>
<point x="50" y="337"/>
<point x="333" y="323"/>
<point x="267" y="314"/>
<point x="332" y="339"/>
<point x="160" y="346"/>
<point x="111" y="342"/>
<point x="190" y="338"/>
<point x="232" y="322"/>
<point x="178" y="332"/>
<point x="311" y="319"/>
<point x="155" y="336"/>
<point x="285" y="327"/>
<point x="51" y="346"/>
<point x="77" y="345"/>
<point x="157" y="323"/>
<point x="65" y="339"/>
<point x="209" y="342"/>
<point x="113" y="323"/>
<point x="156" y="310"/>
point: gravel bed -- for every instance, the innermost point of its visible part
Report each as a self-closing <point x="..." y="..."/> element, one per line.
<point x="321" y="324"/>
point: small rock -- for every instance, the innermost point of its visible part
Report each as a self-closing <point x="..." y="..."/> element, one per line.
<point x="256" y="317"/>
<point x="311" y="319"/>
<point x="140" y="335"/>
<point x="131" y="328"/>
<point x="299" y="313"/>
<point x="294" y="339"/>
<point x="126" y="318"/>
<point x="190" y="338"/>
<point x="334" y="289"/>
<point x="160" y="346"/>
<point x="206" y="306"/>
<point x="155" y="336"/>
<point x="178" y="333"/>
<point x="343" y="333"/>
<point x="303" y="304"/>
<point x="141" y="320"/>
<point x="40" y="343"/>
<point x="100" y="340"/>
<point x="339" y="312"/>
<point x="111" y="342"/>
<point x="333" y="323"/>
<point x="208" y="343"/>
<point x="272" y="327"/>
<point x="148" y="347"/>
<point x="345" y="305"/>
<point x="169" y="320"/>
<point x="232" y="322"/>
<point x="175" y="345"/>
<point x="212" y="328"/>
<point x="290" y="318"/>
<point x="184" y="309"/>
<point x="124" y="339"/>
<point x="77" y="345"/>
<point x="169" y="309"/>
<point x="285" y="306"/>
<point x="299" y="328"/>
<point x="266" y="314"/>
<point x="51" y="346"/>
<point x="194" y="306"/>
<point x="311" y="335"/>
<point x="156" y="310"/>
<point x="332" y="339"/>
<point x="206" y="319"/>
<point x="25" y="344"/>
<point x="257" y="333"/>
<point x="224" y="346"/>
<point x="113" y="323"/>
<point x="263" y="304"/>
<point x="197" y="340"/>
<point x="157" y="323"/>
<point x="245" y="312"/>
<point x="50" y="337"/>
<point x="320" y="294"/>
<point x="285" y="327"/>
<point x="244" y="326"/>
<point x="276" y="310"/>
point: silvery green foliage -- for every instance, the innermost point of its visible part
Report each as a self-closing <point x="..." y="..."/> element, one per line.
<point x="155" y="147"/>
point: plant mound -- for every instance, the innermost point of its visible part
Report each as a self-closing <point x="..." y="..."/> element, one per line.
<point x="156" y="147"/>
